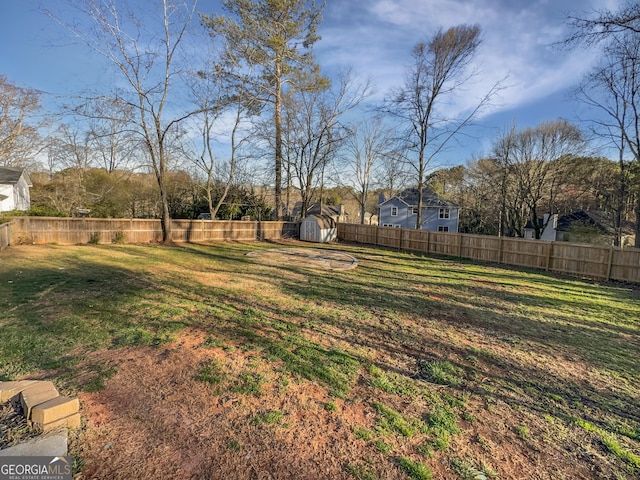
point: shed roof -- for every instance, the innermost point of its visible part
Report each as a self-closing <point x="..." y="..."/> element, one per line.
<point x="323" y="221"/>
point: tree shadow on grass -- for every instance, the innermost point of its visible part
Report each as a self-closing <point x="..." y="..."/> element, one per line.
<point x="50" y="315"/>
<point x="603" y="343"/>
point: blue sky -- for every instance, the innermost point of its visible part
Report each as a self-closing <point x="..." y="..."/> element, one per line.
<point x="375" y="38"/>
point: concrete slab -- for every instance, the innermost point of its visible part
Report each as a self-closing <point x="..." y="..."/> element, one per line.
<point x="324" y="259"/>
<point x="53" y="444"/>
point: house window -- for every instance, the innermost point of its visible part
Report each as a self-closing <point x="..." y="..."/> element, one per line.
<point x="414" y="210"/>
<point x="442" y="228"/>
<point x="394" y="211"/>
<point x="444" y="213"/>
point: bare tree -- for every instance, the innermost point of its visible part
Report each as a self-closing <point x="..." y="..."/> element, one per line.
<point x="69" y="147"/>
<point x="145" y="55"/>
<point x="503" y="151"/>
<point x="110" y="136"/>
<point x="394" y="175"/>
<point x="440" y="68"/>
<point x="613" y="88"/>
<point x="315" y="131"/>
<point x="220" y="173"/>
<point x="531" y="168"/>
<point x="366" y="150"/>
<point x="615" y="84"/>
<point x="604" y="25"/>
<point x="20" y="140"/>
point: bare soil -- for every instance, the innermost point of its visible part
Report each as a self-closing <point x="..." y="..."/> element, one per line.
<point x="155" y="420"/>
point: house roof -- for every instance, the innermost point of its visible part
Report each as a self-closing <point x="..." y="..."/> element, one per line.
<point x="429" y="199"/>
<point x="581" y="216"/>
<point x="565" y="221"/>
<point x="11" y="175"/>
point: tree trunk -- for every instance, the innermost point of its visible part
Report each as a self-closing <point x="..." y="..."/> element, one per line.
<point x="165" y="218"/>
<point x="278" y="142"/>
<point x="637" y="227"/>
<point x="420" y="185"/>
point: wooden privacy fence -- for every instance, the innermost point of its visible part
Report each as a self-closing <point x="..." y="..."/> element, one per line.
<point x="73" y="231"/>
<point x="606" y="263"/>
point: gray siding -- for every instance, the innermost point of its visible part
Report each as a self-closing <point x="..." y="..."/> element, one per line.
<point x="402" y="218"/>
<point x="405" y="218"/>
<point x="431" y="219"/>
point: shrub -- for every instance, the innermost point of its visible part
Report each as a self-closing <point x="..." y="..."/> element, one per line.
<point x="119" y="237"/>
<point x="94" y="239"/>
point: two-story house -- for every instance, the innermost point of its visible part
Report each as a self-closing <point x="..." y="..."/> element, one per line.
<point x="438" y="214"/>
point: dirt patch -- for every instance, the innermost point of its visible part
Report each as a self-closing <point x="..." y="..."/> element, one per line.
<point x="306" y="257"/>
<point x="156" y="419"/>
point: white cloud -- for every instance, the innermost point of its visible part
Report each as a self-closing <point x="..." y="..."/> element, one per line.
<point x="376" y="37"/>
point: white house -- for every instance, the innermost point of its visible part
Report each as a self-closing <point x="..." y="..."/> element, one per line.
<point x="14" y="189"/>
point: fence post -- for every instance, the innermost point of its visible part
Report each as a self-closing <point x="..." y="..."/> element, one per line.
<point x="459" y="245"/>
<point x="428" y="240"/>
<point x="609" y="263"/>
<point x="549" y="255"/>
<point x="376" y="237"/>
<point x="500" y="249"/>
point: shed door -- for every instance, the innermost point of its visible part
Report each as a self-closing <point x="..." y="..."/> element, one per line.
<point x="310" y="231"/>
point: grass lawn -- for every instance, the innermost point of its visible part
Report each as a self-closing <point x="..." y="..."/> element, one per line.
<point x="199" y="361"/>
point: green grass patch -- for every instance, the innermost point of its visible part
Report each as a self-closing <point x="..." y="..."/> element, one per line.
<point x="392" y="382"/>
<point x="97" y="383"/>
<point x="441" y="372"/>
<point x="362" y="433"/>
<point x="249" y="383"/>
<point x="391" y="422"/>
<point x="268" y="418"/>
<point x="213" y="342"/>
<point x="468" y="469"/>
<point x="234" y="445"/>
<point x="383" y="447"/>
<point x="612" y="444"/>
<point x="361" y="472"/>
<point x="332" y="367"/>
<point x="210" y="372"/>
<point x="415" y="470"/>
<point x="330" y="407"/>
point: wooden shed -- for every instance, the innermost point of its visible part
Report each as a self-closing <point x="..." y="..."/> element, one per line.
<point x="318" y="228"/>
